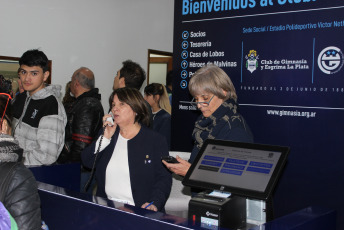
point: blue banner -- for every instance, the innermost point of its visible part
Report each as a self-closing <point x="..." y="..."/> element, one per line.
<point x="285" y="58"/>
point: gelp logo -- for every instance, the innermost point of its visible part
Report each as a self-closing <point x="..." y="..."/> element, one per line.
<point x="330" y="60"/>
<point x="252" y="61"/>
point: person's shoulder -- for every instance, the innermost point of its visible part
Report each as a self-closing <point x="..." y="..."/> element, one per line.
<point x="24" y="178"/>
<point x="23" y="172"/>
<point x="46" y="96"/>
<point x="88" y="104"/>
<point x="149" y="133"/>
<point x="237" y="129"/>
<point x="50" y="102"/>
<point x="19" y="171"/>
<point x="20" y="98"/>
<point x="236" y="119"/>
<point x="163" y="113"/>
<point x="47" y="91"/>
<point x="91" y="101"/>
<point x="151" y="136"/>
<point x="51" y="99"/>
<point x="21" y="95"/>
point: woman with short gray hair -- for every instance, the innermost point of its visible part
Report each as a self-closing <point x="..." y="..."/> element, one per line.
<point x="214" y="95"/>
<point x="212" y="79"/>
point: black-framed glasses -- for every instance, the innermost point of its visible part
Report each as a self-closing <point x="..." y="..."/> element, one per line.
<point x="201" y="103"/>
<point x="8" y="99"/>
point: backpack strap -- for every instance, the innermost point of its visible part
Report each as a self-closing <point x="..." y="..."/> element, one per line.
<point x="6" y="169"/>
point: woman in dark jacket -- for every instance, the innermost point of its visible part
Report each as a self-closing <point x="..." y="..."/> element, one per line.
<point x="157" y="97"/>
<point x="128" y="166"/>
<point x="18" y="187"/>
<point x="215" y="96"/>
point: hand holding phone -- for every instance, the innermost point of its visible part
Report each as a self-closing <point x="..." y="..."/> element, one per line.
<point x="176" y="165"/>
<point x="170" y="159"/>
<point x="110" y="119"/>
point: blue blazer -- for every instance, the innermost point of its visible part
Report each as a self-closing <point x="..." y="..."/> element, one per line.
<point x="150" y="180"/>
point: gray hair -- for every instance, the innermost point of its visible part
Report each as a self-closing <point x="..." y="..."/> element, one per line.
<point x="85" y="81"/>
<point x="212" y="79"/>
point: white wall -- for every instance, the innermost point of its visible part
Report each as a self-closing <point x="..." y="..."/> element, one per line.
<point x="157" y="73"/>
<point x="96" y="34"/>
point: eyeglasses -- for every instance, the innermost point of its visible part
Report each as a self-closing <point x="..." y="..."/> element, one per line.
<point x="8" y="99"/>
<point x="201" y="103"/>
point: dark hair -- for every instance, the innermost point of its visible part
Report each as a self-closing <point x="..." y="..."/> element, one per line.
<point x="67" y="97"/>
<point x="133" y="74"/>
<point x="135" y="100"/>
<point x="159" y="89"/>
<point x="34" y="58"/>
<point x="169" y="78"/>
<point x="5" y="85"/>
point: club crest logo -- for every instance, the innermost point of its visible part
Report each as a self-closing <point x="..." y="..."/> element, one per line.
<point x="252" y="61"/>
<point x="330" y="60"/>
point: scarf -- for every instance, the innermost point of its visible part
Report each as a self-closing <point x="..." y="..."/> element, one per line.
<point x="209" y="127"/>
<point x="9" y="149"/>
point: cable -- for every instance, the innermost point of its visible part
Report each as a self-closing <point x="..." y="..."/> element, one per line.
<point x="94" y="162"/>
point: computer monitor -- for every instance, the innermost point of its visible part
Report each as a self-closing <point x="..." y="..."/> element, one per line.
<point x="245" y="169"/>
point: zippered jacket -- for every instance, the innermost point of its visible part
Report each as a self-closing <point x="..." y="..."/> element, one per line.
<point x="39" y="125"/>
<point x="84" y="116"/>
<point x="18" y="186"/>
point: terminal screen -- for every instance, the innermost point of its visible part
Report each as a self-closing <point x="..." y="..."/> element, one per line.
<point x="236" y="167"/>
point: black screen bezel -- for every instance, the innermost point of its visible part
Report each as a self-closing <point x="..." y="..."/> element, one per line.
<point x="235" y="190"/>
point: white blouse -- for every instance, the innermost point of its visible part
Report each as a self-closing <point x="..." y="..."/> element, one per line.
<point x="117" y="178"/>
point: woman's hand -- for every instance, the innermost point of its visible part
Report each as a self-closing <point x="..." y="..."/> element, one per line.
<point x="179" y="169"/>
<point x="150" y="207"/>
<point x="109" y="127"/>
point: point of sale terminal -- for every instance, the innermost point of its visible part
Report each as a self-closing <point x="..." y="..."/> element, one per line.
<point x="236" y="178"/>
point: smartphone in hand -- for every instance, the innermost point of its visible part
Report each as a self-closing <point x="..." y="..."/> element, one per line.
<point x="170" y="159"/>
<point x="110" y="119"/>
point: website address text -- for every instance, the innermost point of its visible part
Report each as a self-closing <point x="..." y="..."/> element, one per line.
<point x="289" y="113"/>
